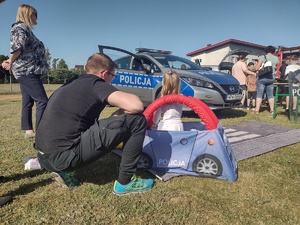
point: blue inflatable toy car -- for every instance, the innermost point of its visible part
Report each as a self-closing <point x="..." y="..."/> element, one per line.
<point x="202" y="149"/>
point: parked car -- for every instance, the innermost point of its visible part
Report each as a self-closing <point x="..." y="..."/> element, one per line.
<point x="227" y="63"/>
<point x="141" y="74"/>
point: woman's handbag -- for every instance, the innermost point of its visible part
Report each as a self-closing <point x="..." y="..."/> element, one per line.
<point x="266" y="68"/>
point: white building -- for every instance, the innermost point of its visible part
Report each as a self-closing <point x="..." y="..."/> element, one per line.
<point x="213" y="54"/>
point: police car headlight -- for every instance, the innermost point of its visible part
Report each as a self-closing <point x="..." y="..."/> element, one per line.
<point x="197" y="82"/>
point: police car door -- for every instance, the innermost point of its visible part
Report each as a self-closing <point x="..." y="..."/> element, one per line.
<point x="131" y="74"/>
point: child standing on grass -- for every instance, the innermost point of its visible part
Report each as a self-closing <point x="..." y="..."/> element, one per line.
<point x="292" y="67"/>
<point x="171" y="113"/>
<point x="251" y="87"/>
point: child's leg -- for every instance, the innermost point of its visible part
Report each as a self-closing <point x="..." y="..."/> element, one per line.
<point x="248" y="99"/>
<point x="253" y="102"/>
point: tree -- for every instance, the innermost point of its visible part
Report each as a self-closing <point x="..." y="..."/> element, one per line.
<point x="48" y="56"/>
<point x="62" y="65"/>
<point x="54" y="62"/>
<point x="3" y="57"/>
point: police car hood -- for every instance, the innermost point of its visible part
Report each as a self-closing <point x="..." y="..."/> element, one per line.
<point x="210" y="75"/>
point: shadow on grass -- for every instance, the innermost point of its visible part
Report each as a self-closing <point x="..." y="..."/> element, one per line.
<point x="104" y="170"/>
<point x="222" y="114"/>
<point x="101" y="171"/>
<point x="26" y="188"/>
<point x="16" y="177"/>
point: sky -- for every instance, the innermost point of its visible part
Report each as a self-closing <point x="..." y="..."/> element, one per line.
<point x="73" y="29"/>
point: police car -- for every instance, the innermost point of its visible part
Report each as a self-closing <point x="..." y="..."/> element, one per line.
<point x="141" y="74"/>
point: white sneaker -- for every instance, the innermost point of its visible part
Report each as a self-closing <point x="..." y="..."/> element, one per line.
<point x="32" y="163"/>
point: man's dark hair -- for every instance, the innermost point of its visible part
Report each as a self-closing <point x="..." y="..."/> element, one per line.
<point x="250" y="64"/>
<point x="270" y="49"/>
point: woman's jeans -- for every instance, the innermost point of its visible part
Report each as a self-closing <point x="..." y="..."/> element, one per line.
<point x="32" y="91"/>
<point x="265" y="83"/>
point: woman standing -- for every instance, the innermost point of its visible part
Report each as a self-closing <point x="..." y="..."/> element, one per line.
<point x="28" y="63"/>
<point x="266" y="81"/>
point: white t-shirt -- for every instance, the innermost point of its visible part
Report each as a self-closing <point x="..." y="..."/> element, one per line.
<point x="171" y="117"/>
<point x="291" y="68"/>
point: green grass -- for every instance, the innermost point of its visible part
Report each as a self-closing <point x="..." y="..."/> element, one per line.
<point x="14" y="89"/>
<point x="266" y="192"/>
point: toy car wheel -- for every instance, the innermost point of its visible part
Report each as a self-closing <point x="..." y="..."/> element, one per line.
<point x="145" y="161"/>
<point x="207" y="165"/>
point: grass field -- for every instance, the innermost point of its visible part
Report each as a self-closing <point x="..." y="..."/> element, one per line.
<point x="266" y="192"/>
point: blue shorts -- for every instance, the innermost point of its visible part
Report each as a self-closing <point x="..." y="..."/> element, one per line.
<point x="265" y="83"/>
<point x="251" y="94"/>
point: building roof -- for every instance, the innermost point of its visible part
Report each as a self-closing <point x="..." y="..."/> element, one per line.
<point x="292" y="49"/>
<point x="79" y="67"/>
<point x="234" y="41"/>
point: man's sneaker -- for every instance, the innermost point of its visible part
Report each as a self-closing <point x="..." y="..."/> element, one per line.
<point x="136" y="185"/>
<point x="65" y="179"/>
<point x="32" y="163"/>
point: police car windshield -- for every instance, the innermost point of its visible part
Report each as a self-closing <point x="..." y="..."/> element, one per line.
<point x="176" y="62"/>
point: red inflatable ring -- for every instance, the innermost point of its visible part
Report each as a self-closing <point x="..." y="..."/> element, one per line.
<point x="199" y="107"/>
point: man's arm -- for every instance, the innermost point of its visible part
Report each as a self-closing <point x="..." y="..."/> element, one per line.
<point x="128" y="103"/>
<point x="247" y="71"/>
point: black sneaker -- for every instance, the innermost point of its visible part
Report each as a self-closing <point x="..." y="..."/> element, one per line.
<point x="4" y="200"/>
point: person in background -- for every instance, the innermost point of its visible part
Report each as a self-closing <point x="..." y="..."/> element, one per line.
<point x="171" y="113"/>
<point x="251" y="87"/>
<point x="70" y="134"/>
<point x="239" y="71"/>
<point x="266" y="81"/>
<point x="282" y="79"/>
<point x="28" y="63"/>
<point x="292" y="67"/>
<point x="283" y="66"/>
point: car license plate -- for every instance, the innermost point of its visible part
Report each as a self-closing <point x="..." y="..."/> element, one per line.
<point x="234" y="97"/>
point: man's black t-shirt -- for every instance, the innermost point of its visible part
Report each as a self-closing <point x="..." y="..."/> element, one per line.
<point x="72" y="109"/>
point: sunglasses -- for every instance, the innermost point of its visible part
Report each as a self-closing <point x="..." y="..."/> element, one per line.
<point x="113" y="75"/>
<point x="35" y="14"/>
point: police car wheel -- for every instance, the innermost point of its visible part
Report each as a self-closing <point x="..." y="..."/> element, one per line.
<point x="207" y="165"/>
<point x="145" y="161"/>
